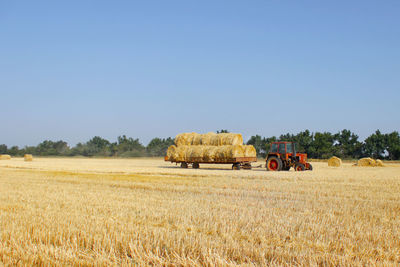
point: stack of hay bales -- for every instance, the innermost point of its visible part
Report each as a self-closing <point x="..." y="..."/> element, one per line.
<point x="334" y="162"/>
<point x="209" y="147"/>
<point x="28" y="157"/>
<point x="369" y="162"/>
<point x="5" y="157"/>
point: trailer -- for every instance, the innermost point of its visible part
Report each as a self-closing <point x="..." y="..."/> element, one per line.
<point x="237" y="163"/>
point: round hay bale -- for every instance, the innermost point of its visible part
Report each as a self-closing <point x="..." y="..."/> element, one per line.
<point x="171" y="152"/>
<point x="180" y="153"/>
<point x="5" y="157"/>
<point x="366" y="162"/>
<point x="180" y="139"/>
<point x="210" y="153"/>
<point x="28" y="157"/>
<point x="196" y="153"/>
<point x="379" y="163"/>
<point x="206" y="139"/>
<point x="249" y="151"/>
<point x="197" y="139"/>
<point x="230" y="139"/>
<point x="334" y="162"/>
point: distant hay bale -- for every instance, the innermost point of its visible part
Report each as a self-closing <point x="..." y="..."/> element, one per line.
<point x="379" y="163"/>
<point x="28" y="157"/>
<point x="366" y="162"/>
<point x="249" y="151"/>
<point x="5" y="157"/>
<point x="334" y="162"/>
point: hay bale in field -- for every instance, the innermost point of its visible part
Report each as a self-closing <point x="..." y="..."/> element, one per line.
<point x="379" y="163"/>
<point x="366" y="162"/>
<point x="334" y="162"/>
<point x="5" y="157"/>
<point x="28" y="157"/>
<point x="249" y="151"/>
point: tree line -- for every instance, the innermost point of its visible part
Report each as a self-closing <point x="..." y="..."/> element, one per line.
<point x="319" y="145"/>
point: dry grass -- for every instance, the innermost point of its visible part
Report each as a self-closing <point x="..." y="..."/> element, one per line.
<point x="121" y="211"/>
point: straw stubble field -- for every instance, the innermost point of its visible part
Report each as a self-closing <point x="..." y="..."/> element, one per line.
<point x="146" y="211"/>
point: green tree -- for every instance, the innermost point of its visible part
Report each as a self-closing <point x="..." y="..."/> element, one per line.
<point x="393" y="145"/>
<point x="347" y="144"/>
<point x="3" y="149"/>
<point x="222" y="131"/>
<point x="322" y="146"/>
<point x="158" y="147"/>
<point x="374" y="145"/>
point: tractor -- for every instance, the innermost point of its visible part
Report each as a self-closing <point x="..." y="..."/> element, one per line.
<point x="282" y="156"/>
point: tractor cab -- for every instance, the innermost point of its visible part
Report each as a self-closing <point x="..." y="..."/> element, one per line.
<point x="283" y="156"/>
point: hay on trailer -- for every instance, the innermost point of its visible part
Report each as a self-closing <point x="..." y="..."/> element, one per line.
<point x="231" y="139"/>
<point x="334" y="162"/>
<point x="180" y="153"/>
<point x="28" y="157"/>
<point x="249" y="151"/>
<point x="5" y="157"/>
<point x="366" y="162"/>
<point x="228" y="153"/>
<point x="379" y="163"/>
<point x="208" y="139"/>
<point x="195" y="153"/>
<point x="210" y="153"/>
<point x="197" y="139"/>
<point x="171" y="152"/>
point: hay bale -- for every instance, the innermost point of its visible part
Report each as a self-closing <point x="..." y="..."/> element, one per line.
<point x="210" y="153"/>
<point x="228" y="153"/>
<point x="208" y="139"/>
<point x="195" y="153"/>
<point x="230" y="139"/>
<point x="5" y="157"/>
<point x="379" y="163"/>
<point x="249" y="151"/>
<point x="366" y="162"/>
<point x="180" y="153"/>
<point x="28" y="157"/>
<point x="171" y="152"/>
<point x="334" y="162"/>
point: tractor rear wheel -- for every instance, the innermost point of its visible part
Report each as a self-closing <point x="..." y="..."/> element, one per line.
<point x="299" y="167"/>
<point x="274" y="164"/>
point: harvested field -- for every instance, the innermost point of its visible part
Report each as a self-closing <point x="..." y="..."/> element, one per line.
<point x="69" y="211"/>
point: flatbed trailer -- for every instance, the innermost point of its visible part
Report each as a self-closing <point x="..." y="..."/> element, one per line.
<point x="237" y="163"/>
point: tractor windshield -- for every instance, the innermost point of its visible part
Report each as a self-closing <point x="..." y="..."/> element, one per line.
<point x="289" y="148"/>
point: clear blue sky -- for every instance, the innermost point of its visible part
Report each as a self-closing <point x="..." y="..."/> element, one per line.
<point x="74" y="69"/>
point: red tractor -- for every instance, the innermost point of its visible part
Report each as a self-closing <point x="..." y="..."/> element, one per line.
<point x="281" y="157"/>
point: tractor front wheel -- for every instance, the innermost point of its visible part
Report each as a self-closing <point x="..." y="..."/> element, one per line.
<point x="274" y="164"/>
<point x="299" y="167"/>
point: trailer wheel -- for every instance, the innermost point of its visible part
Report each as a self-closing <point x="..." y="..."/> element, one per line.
<point x="184" y="165"/>
<point x="196" y="165"/>
<point x="236" y="166"/>
<point x="246" y="166"/>
<point x="274" y="164"/>
<point x="299" y="167"/>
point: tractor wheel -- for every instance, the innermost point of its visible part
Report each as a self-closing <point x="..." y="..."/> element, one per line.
<point x="274" y="164"/>
<point x="286" y="168"/>
<point x="196" y="165"/>
<point x="299" y="167"/>
<point x="236" y="166"/>
<point x="184" y="165"/>
<point x="309" y="167"/>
